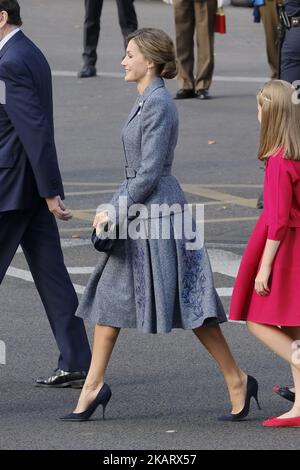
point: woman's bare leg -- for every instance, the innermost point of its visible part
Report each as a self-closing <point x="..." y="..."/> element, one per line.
<point x="281" y="340"/>
<point x="276" y="339"/>
<point x="105" y="338"/>
<point x="294" y="334"/>
<point x="213" y="340"/>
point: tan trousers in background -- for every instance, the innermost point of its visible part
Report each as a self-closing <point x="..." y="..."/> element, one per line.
<point x="190" y="16"/>
<point x="270" y="21"/>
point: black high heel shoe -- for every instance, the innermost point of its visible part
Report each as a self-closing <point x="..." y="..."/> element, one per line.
<point x="252" y="391"/>
<point x="102" y="398"/>
<point x="284" y="392"/>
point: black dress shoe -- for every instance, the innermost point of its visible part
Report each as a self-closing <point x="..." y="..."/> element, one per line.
<point x="87" y="71"/>
<point x="184" y="94"/>
<point x="62" y="379"/>
<point x="284" y="392"/>
<point x="203" y="95"/>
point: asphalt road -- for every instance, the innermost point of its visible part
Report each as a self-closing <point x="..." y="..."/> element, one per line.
<point x="167" y="392"/>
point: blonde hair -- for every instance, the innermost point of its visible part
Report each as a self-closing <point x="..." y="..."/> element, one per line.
<point x="280" y="120"/>
<point x="157" y="46"/>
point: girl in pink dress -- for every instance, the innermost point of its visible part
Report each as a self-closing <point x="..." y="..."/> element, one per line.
<point x="267" y="290"/>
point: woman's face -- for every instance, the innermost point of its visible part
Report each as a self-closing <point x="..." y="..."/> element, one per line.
<point x="135" y="64"/>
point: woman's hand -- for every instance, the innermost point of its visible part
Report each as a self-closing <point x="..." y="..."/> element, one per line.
<point x="262" y="279"/>
<point x="100" y="220"/>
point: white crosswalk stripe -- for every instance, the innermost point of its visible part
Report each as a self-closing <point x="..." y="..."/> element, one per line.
<point x="222" y="262"/>
<point x="217" y="78"/>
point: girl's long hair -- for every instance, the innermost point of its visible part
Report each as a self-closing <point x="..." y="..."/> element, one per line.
<point x="280" y="120"/>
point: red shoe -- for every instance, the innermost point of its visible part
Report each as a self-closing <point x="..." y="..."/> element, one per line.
<point x="282" y="422"/>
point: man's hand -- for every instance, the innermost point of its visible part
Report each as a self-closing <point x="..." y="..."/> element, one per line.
<point x="57" y="208"/>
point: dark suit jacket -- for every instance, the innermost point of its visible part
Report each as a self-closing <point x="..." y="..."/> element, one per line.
<point x="28" y="160"/>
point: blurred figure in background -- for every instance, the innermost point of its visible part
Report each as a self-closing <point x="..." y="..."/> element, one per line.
<point x="93" y="8"/>
<point x="290" y="52"/>
<point x="269" y="15"/>
<point x="191" y="15"/>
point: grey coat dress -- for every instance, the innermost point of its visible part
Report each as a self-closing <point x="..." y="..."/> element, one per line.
<point x="152" y="283"/>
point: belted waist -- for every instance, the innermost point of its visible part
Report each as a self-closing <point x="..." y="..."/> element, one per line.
<point x="295" y="21"/>
<point x="131" y="172"/>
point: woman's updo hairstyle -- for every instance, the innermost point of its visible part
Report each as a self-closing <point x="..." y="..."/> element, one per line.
<point x="157" y="46"/>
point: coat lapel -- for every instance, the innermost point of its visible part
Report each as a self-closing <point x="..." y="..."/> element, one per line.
<point x="135" y="109"/>
<point x="139" y="103"/>
<point x="156" y="83"/>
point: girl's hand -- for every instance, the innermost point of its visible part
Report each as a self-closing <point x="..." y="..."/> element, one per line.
<point x="262" y="279"/>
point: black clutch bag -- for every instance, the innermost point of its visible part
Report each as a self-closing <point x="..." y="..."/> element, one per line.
<point x="103" y="242"/>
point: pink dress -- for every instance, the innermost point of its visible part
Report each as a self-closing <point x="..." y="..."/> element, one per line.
<point x="280" y="220"/>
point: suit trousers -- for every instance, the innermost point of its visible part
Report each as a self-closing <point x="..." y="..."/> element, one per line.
<point x="270" y="19"/>
<point x="190" y="16"/>
<point x="37" y="233"/>
<point x="93" y="8"/>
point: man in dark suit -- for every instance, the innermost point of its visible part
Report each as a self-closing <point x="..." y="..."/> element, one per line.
<point x="31" y="192"/>
<point x="93" y="8"/>
<point x="290" y="52"/>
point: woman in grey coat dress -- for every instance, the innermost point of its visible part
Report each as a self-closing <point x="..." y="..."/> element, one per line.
<point x="150" y="283"/>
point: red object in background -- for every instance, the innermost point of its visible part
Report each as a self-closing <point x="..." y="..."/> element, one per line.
<point x="220" y="21"/>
